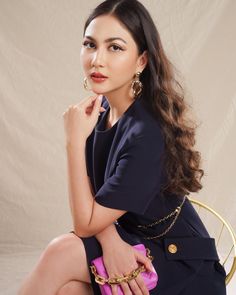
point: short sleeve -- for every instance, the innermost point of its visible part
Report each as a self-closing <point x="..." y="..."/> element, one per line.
<point x="136" y="179"/>
<point x="89" y="143"/>
<point x="89" y="150"/>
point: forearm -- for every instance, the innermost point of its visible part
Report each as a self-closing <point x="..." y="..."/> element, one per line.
<point x="108" y="235"/>
<point x="81" y="198"/>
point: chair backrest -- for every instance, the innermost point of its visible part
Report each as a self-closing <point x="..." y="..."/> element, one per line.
<point x="222" y="234"/>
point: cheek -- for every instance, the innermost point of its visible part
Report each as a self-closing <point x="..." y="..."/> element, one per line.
<point x="84" y="59"/>
<point x="122" y="67"/>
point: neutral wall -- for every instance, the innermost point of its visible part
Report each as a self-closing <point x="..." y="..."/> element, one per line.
<point x="40" y="76"/>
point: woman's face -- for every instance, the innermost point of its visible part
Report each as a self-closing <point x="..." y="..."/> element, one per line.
<point x="108" y="48"/>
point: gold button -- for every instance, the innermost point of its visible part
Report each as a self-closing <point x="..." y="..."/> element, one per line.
<point x="172" y="248"/>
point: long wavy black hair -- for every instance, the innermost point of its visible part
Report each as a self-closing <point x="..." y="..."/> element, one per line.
<point x="163" y="94"/>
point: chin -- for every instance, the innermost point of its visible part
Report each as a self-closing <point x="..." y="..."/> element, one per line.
<point x="100" y="90"/>
<point x="104" y="89"/>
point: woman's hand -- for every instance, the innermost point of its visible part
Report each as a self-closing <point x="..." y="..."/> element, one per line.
<point x="80" y="119"/>
<point x="119" y="260"/>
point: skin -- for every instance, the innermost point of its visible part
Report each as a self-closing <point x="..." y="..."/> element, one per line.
<point x="117" y="60"/>
<point x="62" y="267"/>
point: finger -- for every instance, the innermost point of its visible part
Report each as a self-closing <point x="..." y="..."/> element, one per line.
<point x="126" y="289"/>
<point x="140" y="281"/>
<point x="114" y="289"/>
<point x="87" y="101"/>
<point x="101" y="108"/>
<point x="89" y="109"/>
<point x="97" y="105"/>
<point x="144" y="260"/>
<point x="92" y="98"/>
<point x="92" y="105"/>
<point x="67" y="110"/>
<point x="135" y="287"/>
<point x="98" y="101"/>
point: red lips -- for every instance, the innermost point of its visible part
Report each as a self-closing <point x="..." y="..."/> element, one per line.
<point x="97" y="75"/>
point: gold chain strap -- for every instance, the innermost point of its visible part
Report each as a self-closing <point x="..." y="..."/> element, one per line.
<point x="117" y="280"/>
<point x="175" y="213"/>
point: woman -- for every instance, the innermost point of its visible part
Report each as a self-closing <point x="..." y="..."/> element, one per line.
<point x="131" y="163"/>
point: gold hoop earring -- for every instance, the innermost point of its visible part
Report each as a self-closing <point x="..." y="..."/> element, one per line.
<point x="137" y="85"/>
<point x="86" y="84"/>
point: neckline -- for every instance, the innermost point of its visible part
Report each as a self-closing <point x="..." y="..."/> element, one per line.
<point x="102" y="122"/>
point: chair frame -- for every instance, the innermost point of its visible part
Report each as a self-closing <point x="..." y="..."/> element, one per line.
<point x="231" y="232"/>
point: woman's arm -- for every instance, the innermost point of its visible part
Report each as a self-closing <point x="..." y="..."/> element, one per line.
<point x="108" y="236"/>
<point x="109" y="239"/>
<point x="110" y="233"/>
<point x="89" y="217"/>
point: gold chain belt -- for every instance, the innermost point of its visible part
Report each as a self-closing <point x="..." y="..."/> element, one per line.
<point x="174" y="213"/>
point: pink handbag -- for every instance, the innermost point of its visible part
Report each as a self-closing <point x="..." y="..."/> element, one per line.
<point x="150" y="278"/>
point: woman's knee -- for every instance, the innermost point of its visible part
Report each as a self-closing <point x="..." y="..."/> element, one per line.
<point x="63" y="243"/>
<point x="63" y="260"/>
<point x="66" y="251"/>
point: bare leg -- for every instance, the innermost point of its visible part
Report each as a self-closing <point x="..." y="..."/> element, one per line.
<point x="63" y="260"/>
<point x="76" y="288"/>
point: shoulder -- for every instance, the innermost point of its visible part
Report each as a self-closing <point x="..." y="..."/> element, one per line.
<point x="139" y="125"/>
<point x="138" y="121"/>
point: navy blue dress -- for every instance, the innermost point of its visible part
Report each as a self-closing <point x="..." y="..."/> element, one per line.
<point x="125" y="166"/>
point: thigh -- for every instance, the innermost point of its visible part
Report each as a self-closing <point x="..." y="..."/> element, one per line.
<point x="75" y="288"/>
<point x="65" y="257"/>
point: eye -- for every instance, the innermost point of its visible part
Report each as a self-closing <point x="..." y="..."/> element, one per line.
<point x="86" y="43"/>
<point x="116" y="47"/>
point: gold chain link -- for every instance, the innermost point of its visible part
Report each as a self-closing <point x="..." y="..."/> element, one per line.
<point x="175" y="213"/>
<point x="117" y="280"/>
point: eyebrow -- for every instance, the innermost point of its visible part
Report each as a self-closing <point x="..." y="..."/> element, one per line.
<point x="109" y="39"/>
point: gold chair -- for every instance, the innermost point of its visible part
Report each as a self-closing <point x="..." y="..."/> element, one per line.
<point x="227" y="258"/>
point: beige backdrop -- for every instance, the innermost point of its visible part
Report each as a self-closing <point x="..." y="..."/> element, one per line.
<point x="40" y="75"/>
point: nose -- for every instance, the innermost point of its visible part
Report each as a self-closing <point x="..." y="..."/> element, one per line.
<point x="98" y="59"/>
